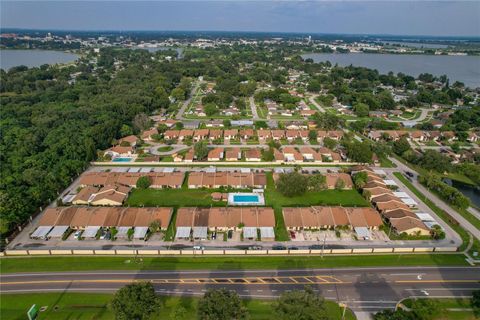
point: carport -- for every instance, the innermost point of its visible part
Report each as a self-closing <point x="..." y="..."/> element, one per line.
<point x="140" y="232"/>
<point x="200" y="232"/>
<point x="90" y="232"/>
<point x="249" y="232"/>
<point x="362" y="232"/>
<point x="58" y="231"/>
<point x="183" y="233"/>
<point x="267" y="233"/>
<point x="122" y="232"/>
<point x="41" y="232"/>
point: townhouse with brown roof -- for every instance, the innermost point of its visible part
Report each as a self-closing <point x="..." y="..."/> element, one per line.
<point x="185" y="134"/>
<point x="233" y="154"/>
<point x="215" y="154"/>
<point x="310" y="155"/>
<point x="215" y="134"/>
<point x="131" y="140"/>
<point x="119" y="151"/>
<point x="171" y="134"/>
<point x="200" y="134"/>
<point x="253" y="155"/>
<point x="147" y="135"/>
<point x="230" y="134"/>
<point x="264" y="135"/>
<point x="247" y="133"/>
<point x="277" y="134"/>
<point x="291" y="154"/>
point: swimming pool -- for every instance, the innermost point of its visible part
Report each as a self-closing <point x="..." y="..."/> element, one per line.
<point x="246" y="199"/>
<point x="120" y="159"/>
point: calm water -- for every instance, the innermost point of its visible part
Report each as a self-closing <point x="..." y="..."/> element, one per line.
<point x="469" y="191"/>
<point x="458" y="68"/>
<point x="33" y="58"/>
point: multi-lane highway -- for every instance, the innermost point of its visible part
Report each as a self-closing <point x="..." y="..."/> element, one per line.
<point x="362" y="289"/>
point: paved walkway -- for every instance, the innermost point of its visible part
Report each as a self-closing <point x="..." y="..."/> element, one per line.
<point x="315" y="103"/>
<point x="254" y="108"/>
<point x="180" y="113"/>
<point x="422" y="117"/>
<point x="153" y="149"/>
<point x="438" y="202"/>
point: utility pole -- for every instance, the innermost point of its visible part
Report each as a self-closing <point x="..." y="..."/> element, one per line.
<point x="323" y="247"/>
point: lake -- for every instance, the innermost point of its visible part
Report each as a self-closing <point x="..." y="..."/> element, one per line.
<point x="33" y="58"/>
<point x="458" y="68"/>
<point x="469" y="191"/>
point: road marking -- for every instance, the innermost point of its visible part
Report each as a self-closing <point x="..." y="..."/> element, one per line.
<point x="437" y="281"/>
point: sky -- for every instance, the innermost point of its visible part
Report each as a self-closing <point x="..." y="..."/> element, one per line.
<point x="395" y="17"/>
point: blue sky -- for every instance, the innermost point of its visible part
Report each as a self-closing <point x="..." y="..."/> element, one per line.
<point x="401" y="17"/>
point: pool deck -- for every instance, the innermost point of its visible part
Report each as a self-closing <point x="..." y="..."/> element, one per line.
<point x="232" y="202"/>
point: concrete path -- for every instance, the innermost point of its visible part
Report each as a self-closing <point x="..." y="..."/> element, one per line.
<point x="315" y="103"/>
<point x="253" y="106"/>
<point x="183" y="108"/>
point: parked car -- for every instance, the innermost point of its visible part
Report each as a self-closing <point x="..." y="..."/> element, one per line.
<point x="279" y="247"/>
<point x="255" y="248"/>
<point x="230" y="234"/>
<point x="198" y="248"/>
<point x="410" y="174"/>
<point x="292" y="248"/>
<point x="77" y="234"/>
<point x="105" y="235"/>
<point x="214" y="235"/>
<point x="292" y="234"/>
<point x="315" y="247"/>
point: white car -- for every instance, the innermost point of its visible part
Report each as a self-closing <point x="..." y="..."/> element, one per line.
<point x="77" y="234"/>
<point x="198" y="248"/>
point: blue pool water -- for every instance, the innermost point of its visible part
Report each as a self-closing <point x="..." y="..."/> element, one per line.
<point x="122" y="160"/>
<point x="245" y="198"/>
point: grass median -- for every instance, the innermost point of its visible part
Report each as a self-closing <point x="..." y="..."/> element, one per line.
<point x="65" y="263"/>
<point x="452" y="309"/>
<point x="95" y="306"/>
<point x="442" y="214"/>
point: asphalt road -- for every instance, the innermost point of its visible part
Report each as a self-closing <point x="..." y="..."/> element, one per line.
<point x="362" y="289"/>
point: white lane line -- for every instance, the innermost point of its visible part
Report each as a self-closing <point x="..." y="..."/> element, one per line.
<point x="441" y="289"/>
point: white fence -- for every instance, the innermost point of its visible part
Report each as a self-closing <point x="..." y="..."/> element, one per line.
<point x="232" y="252"/>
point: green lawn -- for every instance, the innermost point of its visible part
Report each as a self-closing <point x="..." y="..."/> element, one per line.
<point x="95" y="306"/>
<point x="78" y="263"/>
<point x="165" y="149"/>
<point x="346" y="198"/>
<point x="172" y="197"/>
<point x="386" y="163"/>
<point x="445" y="304"/>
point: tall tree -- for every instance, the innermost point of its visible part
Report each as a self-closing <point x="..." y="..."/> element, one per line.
<point x="300" y="304"/>
<point x="221" y="304"/>
<point x="136" y="301"/>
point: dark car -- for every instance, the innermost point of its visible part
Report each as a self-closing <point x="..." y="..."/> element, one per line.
<point x="255" y="248"/>
<point x="408" y="173"/>
<point x="230" y="234"/>
<point x="279" y="248"/>
<point x="315" y="247"/>
<point x="292" y="248"/>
